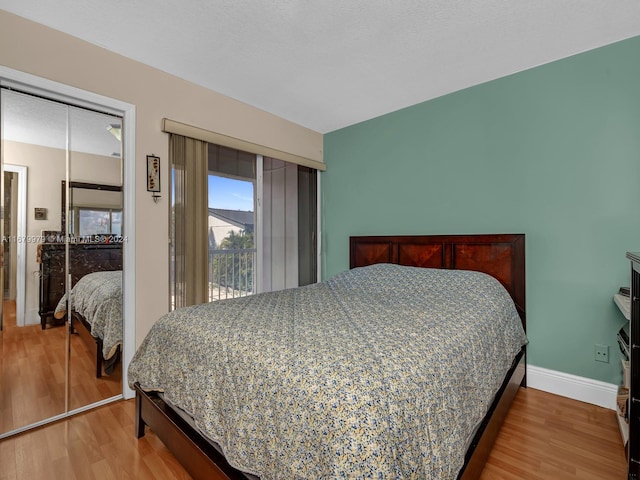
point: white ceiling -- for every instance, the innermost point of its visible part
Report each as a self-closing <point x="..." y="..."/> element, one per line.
<point x="37" y="121"/>
<point x="327" y="64"/>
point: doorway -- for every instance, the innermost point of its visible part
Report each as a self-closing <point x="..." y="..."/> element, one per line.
<point x="15" y="240"/>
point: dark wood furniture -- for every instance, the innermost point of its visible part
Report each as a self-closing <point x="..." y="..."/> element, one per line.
<point x="84" y="258"/>
<point x="51" y="259"/>
<point x="499" y="255"/>
<point x="82" y="328"/>
<point x="633" y="408"/>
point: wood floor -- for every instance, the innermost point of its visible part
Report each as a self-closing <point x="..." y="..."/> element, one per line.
<point x="545" y="437"/>
<point x="32" y="373"/>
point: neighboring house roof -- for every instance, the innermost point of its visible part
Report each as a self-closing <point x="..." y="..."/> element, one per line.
<point x="239" y="218"/>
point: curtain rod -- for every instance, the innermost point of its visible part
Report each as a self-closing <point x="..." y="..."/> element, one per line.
<point x="172" y="126"/>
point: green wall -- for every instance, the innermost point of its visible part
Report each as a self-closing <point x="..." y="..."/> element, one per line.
<point x="552" y="152"/>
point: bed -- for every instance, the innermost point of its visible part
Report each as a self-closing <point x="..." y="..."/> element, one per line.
<point x="334" y="379"/>
<point x="96" y="316"/>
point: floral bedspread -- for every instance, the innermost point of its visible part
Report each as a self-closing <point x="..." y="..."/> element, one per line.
<point x="98" y="298"/>
<point x="379" y="372"/>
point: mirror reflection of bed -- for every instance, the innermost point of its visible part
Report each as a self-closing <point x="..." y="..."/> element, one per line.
<point x="96" y="299"/>
<point x="92" y="221"/>
<point x="95" y="265"/>
<point x="94" y="225"/>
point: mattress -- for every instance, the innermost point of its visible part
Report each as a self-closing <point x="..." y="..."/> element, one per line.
<point x="191" y="422"/>
<point x="98" y="298"/>
<point x="381" y="371"/>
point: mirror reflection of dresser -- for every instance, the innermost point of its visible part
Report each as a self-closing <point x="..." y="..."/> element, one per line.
<point x="86" y="257"/>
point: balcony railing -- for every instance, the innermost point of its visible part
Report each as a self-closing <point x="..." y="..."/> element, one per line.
<point x="231" y="273"/>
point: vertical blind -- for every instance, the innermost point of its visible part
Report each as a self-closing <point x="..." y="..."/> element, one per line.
<point x="280" y="225"/>
<point x="190" y="242"/>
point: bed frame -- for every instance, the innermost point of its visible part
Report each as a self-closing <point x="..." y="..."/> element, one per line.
<point x="81" y="327"/>
<point x="502" y="256"/>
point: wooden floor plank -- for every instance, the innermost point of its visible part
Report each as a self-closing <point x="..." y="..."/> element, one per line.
<point x="545" y="437"/>
<point x="32" y="373"/>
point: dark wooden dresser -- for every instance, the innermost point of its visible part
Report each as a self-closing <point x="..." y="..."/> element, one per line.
<point x="633" y="444"/>
<point x="84" y="258"/>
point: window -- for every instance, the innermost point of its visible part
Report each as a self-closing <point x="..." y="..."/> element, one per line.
<point x="96" y="221"/>
<point x="251" y="223"/>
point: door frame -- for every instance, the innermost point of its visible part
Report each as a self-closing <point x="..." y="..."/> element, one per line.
<point x="21" y="241"/>
<point x="74" y="96"/>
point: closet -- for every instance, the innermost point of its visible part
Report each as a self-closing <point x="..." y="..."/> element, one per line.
<point x="55" y="233"/>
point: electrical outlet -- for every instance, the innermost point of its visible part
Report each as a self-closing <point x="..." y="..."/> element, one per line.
<point x="602" y="353"/>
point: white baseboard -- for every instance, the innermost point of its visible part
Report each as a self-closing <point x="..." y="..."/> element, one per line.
<point x="571" y="386"/>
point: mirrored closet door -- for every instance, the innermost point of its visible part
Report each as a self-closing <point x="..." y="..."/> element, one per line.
<point x="62" y="321"/>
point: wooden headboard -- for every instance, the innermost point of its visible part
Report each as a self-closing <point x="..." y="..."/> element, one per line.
<point x="501" y="256"/>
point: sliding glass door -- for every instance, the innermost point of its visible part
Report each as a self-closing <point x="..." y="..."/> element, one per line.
<point x="261" y="225"/>
<point x="289" y="224"/>
<point x="231" y="222"/>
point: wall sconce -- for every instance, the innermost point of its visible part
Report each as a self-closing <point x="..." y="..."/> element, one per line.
<point x="153" y="176"/>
